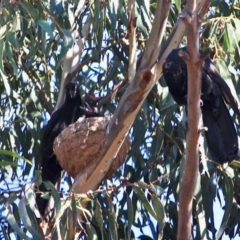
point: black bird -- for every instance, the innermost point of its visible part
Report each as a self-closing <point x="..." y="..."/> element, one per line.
<point x="222" y="139"/>
<point x="69" y="113"/>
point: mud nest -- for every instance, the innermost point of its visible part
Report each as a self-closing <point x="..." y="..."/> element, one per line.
<point x="79" y="148"/>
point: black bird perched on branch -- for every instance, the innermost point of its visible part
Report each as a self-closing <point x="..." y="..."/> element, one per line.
<point x="70" y="111"/>
<point x="222" y="139"/>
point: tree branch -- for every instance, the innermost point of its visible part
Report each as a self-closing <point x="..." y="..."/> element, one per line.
<point x="131" y="100"/>
<point x="80" y="65"/>
<point x="194" y="63"/>
<point x="132" y="19"/>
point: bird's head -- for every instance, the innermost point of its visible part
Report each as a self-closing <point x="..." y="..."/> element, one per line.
<point x="72" y="90"/>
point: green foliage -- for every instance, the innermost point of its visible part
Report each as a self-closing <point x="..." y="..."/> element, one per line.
<point x="34" y="39"/>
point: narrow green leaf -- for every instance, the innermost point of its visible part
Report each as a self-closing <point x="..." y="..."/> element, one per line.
<point x="227" y="38"/>
<point x="2" y="47"/>
<point x="67" y="39"/>
<point x="32" y="49"/>
<point x="225" y="74"/>
<point x="92" y="235"/>
<point x="113" y="7"/>
<point x="74" y="209"/>
<point x="3" y="30"/>
<point x="17" y="23"/>
<point x="228" y="206"/>
<point x="112" y="221"/>
<point x="11" y="59"/>
<point x="178" y="4"/>
<point x="100" y="31"/>
<point x="99" y="217"/>
<point x="141" y="24"/>
<point x="56" y="8"/>
<point x="24" y="30"/>
<point x="146" y="7"/>
<point x="237" y="32"/>
<point x="46" y="26"/>
<point x="13" y="154"/>
<point x="235" y="164"/>
<point x="33" y="12"/>
<point x="159" y="209"/>
<point x="12" y="221"/>
<point x="144" y="18"/>
<point x="7" y="163"/>
<point x="200" y="211"/>
<point x="212" y="31"/>
<point x="208" y="195"/>
<point x="54" y="194"/>
<point x="95" y="15"/>
<point x="16" y="213"/>
<point x="141" y="196"/>
<point x="230" y="172"/>
<point x="30" y="195"/>
<point x="11" y="199"/>
<point x="143" y="185"/>
<point x="65" y="45"/>
<point x="164" y="97"/>
<point x="130" y="216"/>
<point x="232" y="37"/>
<point x="28" y="223"/>
<point x="158" y="189"/>
<point x="121" y="13"/>
<point x="66" y="204"/>
<point x="12" y="39"/>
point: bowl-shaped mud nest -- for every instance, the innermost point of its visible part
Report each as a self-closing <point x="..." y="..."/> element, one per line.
<point x="79" y="148"/>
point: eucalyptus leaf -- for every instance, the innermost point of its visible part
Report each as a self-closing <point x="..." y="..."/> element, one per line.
<point x="14" y="155"/>
<point x="12" y="221"/>
<point x="47" y="27"/>
<point x="229" y="201"/>
<point x="27" y="221"/>
<point x="99" y="217"/>
<point x="143" y="199"/>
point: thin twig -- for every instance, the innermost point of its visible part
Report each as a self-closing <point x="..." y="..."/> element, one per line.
<point x="72" y="74"/>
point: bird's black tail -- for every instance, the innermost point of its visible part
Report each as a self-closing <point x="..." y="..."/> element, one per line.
<point x="51" y="171"/>
<point x="222" y="139"/>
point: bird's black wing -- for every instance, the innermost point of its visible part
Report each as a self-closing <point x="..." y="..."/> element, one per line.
<point x="210" y="70"/>
<point x="221" y="136"/>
